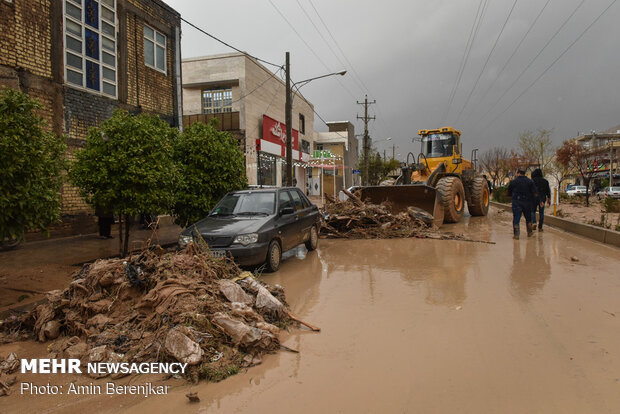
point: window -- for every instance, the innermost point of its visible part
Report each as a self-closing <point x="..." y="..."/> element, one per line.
<point x="215" y="101"/>
<point x="90" y="45"/>
<point x="154" y="49"/>
<point x="297" y="200"/>
<point x="302" y="124"/>
<point x="285" y="200"/>
<point x="305" y="146"/>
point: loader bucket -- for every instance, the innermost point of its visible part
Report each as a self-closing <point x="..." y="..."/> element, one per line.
<point x="402" y="196"/>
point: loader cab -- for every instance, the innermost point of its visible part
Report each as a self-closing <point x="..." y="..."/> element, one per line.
<point x="440" y="143"/>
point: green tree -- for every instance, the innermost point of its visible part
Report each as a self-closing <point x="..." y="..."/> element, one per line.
<point x="378" y="168"/>
<point x="128" y="168"/>
<point x="211" y="164"/>
<point x="32" y="161"/>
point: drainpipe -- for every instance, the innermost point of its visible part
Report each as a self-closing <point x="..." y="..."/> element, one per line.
<point x="177" y="47"/>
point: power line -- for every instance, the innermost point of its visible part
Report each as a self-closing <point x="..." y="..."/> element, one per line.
<point x="227" y="44"/>
<point x="323" y="37"/>
<point x="552" y="63"/>
<point x="273" y="75"/>
<point x="477" y="23"/>
<point x="533" y="60"/>
<point x="487" y="61"/>
<point x="514" y="52"/>
<point x="308" y="46"/>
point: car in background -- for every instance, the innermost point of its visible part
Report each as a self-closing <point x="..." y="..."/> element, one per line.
<point x="576" y="190"/>
<point x="256" y="226"/>
<point x="613" y="192"/>
<point x="602" y="193"/>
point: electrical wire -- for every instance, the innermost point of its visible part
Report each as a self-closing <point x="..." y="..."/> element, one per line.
<point x="309" y="47"/>
<point x="461" y="64"/>
<point x="514" y="52"/>
<point x="227" y="44"/>
<point x="478" y="23"/>
<point x="487" y="60"/>
<point x="552" y="63"/>
<point x="273" y="75"/>
<point x="533" y="60"/>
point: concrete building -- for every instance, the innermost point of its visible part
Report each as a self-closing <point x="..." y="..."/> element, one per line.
<point x="249" y="100"/>
<point x="83" y="59"/>
<point x="604" y="147"/>
<point x="335" y="157"/>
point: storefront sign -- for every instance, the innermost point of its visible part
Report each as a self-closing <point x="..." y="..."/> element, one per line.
<point x="274" y="139"/>
<point x="322" y="154"/>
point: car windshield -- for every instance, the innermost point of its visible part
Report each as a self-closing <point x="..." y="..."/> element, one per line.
<point x="438" y="145"/>
<point x="246" y="204"/>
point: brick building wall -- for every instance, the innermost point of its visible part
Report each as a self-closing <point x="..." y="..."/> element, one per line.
<point x="32" y="60"/>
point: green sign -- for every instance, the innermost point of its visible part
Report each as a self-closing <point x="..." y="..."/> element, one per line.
<point x="322" y="154"/>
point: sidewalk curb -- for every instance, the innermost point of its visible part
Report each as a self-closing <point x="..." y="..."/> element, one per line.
<point x="588" y="231"/>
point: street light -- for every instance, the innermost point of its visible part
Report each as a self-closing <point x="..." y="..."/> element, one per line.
<point x="289" y="114"/>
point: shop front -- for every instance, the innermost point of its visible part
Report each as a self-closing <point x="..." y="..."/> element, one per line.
<point x="272" y="156"/>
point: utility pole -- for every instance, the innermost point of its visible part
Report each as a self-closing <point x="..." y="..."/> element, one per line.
<point x="366" y="148"/>
<point x="393" y="150"/>
<point x="288" y="120"/>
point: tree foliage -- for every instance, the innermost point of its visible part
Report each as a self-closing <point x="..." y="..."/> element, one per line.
<point x="573" y="156"/>
<point x="494" y="163"/>
<point x="536" y="148"/>
<point x="378" y="168"/>
<point x="211" y="164"/>
<point x="32" y="161"/>
<point x="128" y="168"/>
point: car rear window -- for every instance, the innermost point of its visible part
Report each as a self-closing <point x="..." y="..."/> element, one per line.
<point x="615" y="188"/>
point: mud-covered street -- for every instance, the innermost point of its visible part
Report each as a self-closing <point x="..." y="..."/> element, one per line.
<point x="411" y="325"/>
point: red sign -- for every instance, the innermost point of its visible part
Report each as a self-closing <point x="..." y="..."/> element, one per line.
<point x="275" y="132"/>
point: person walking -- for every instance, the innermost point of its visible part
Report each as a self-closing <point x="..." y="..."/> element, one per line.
<point x="105" y="220"/>
<point x="523" y="192"/>
<point x="544" y="194"/>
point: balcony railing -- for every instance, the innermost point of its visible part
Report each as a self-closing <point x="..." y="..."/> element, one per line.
<point x="227" y="121"/>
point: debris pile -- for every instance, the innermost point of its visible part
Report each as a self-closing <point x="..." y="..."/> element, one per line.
<point x="357" y="219"/>
<point x="185" y="306"/>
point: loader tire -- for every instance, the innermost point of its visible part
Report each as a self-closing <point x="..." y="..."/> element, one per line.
<point x="479" y="205"/>
<point x="452" y="198"/>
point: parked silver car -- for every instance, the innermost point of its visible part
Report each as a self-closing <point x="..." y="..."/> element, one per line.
<point x="577" y="190"/>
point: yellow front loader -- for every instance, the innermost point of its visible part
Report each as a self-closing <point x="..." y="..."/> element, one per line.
<point x="439" y="181"/>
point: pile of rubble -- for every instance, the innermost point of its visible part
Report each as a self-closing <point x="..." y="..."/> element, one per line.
<point x="184" y="306"/>
<point x="357" y="219"/>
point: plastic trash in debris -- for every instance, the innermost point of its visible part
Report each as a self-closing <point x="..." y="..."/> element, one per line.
<point x="217" y="356"/>
<point x="301" y="252"/>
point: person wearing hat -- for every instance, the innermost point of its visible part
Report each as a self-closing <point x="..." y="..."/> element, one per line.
<point x="523" y="192"/>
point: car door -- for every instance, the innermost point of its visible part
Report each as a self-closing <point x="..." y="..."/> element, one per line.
<point x="286" y="223"/>
<point x="301" y="209"/>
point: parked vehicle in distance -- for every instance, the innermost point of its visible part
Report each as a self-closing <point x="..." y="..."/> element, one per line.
<point x="256" y="226"/>
<point x="613" y="192"/>
<point x="602" y="193"/>
<point x="576" y="190"/>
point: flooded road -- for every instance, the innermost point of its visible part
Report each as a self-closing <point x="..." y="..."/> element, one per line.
<point x="440" y="326"/>
<point x="413" y="325"/>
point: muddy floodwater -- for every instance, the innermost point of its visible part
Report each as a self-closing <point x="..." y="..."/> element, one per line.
<point x="423" y="326"/>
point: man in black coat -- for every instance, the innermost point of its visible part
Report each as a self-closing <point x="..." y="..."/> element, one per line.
<point x="544" y="194"/>
<point x="523" y="192"/>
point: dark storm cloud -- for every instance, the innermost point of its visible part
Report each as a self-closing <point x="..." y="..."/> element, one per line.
<point x="407" y="54"/>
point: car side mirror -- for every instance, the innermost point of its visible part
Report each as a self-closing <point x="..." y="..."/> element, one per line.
<point x="286" y="210"/>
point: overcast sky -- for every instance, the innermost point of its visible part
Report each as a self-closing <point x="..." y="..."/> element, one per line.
<point x="406" y="55"/>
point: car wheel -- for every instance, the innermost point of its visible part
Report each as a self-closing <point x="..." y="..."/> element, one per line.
<point x="274" y="256"/>
<point x="313" y="241"/>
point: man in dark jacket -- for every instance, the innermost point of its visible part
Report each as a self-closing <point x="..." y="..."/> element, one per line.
<point x="544" y="194"/>
<point x="523" y="192"/>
